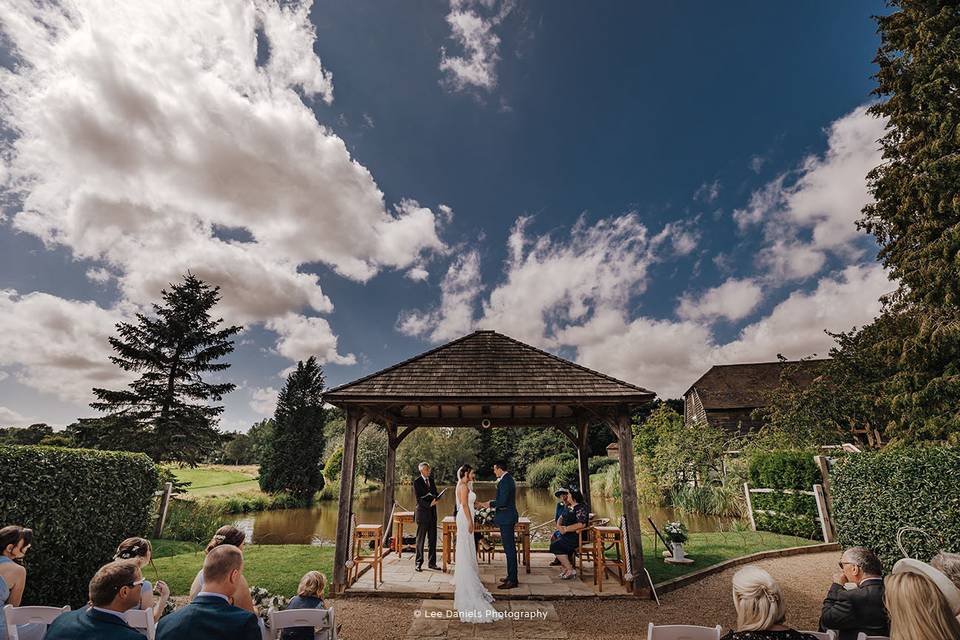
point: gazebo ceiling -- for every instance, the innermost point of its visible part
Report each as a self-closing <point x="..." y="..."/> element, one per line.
<point x="486" y="375"/>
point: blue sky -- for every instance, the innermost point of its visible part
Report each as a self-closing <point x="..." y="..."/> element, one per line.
<point x="647" y="188"/>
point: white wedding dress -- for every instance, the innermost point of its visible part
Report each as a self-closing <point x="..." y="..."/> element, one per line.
<point x="471" y="599"/>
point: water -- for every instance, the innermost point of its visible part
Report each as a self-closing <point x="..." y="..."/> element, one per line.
<point x="319" y="523"/>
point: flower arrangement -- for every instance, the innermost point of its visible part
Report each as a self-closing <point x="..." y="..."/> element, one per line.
<point x="676" y="531"/>
<point x="263" y="600"/>
<point x="484" y="515"/>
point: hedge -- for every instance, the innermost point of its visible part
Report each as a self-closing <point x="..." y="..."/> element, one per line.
<point x="80" y="504"/>
<point x="785" y="469"/>
<point x="876" y="493"/>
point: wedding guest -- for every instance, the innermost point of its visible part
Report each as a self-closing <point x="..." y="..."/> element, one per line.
<point x="210" y="615"/>
<point x="309" y="596"/>
<point x="15" y="541"/>
<point x="557" y="514"/>
<point x="918" y="610"/>
<point x="231" y="535"/>
<point x="948" y="589"/>
<point x="850" y="612"/>
<point x="140" y="551"/>
<point x="761" y="610"/>
<point x="949" y="564"/>
<point x="569" y="524"/>
<point x="115" y="588"/>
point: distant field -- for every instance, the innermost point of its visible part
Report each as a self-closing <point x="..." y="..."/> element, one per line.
<point x="210" y="481"/>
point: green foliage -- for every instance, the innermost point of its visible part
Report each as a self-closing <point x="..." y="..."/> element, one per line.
<point x="537" y="444"/>
<point x="171" y="351"/>
<point x="541" y="474"/>
<point x="292" y="461"/>
<point x="372" y="453"/>
<point x="238" y="449"/>
<point x="260" y="435"/>
<point x="876" y="493"/>
<point x="193" y="520"/>
<point x="598" y="463"/>
<point x="333" y="465"/>
<point x="444" y="449"/>
<point x="710" y="499"/>
<point x="567" y="475"/>
<point x="785" y="469"/>
<point x="34" y="434"/>
<point x="80" y="504"/>
<point x="248" y="503"/>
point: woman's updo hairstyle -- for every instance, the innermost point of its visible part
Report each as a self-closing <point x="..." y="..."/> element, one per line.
<point x="758" y="599"/>
<point x="132" y="548"/>
<point x="227" y="534"/>
<point x="463" y="471"/>
<point x="13" y="534"/>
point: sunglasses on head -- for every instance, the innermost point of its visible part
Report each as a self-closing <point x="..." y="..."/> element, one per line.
<point x="138" y="583"/>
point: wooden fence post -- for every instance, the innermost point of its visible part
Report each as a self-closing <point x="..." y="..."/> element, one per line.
<point x="826" y="525"/>
<point x="746" y="495"/>
<point x="164" y="504"/>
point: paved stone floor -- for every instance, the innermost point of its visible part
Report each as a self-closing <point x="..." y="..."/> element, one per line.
<point x="436" y="619"/>
<point x="543" y="581"/>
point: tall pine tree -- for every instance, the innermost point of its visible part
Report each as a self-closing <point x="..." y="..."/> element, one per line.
<point x="293" y="457"/>
<point x="172" y="350"/>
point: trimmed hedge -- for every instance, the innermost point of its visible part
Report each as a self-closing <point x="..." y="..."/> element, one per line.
<point x="785" y="469"/>
<point x="876" y="493"/>
<point x="80" y="504"/>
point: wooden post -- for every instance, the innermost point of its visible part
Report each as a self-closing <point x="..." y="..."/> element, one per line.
<point x="746" y="497"/>
<point x="343" y="543"/>
<point x="164" y="505"/>
<point x="583" y="459"/>
<point x="631" y="507"/>
<point x="389" y="481"/>
<point x="826" y="525"/>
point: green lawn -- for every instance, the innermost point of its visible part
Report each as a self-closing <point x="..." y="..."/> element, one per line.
<point x="210" y="481"/>
<point x="277" y="568"/>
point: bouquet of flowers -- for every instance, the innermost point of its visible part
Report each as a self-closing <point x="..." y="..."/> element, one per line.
<point x="484" y="515"/>
<point x="263" y="600"/>
<point x="676" y="531"/>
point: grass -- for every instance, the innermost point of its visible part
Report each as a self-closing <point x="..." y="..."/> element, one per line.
<point x="277" y="568"/>
<point x="209" y="481"/>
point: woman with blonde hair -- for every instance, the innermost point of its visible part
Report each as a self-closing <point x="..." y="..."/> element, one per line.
<point x="918" y="609"/>
<point x="760" y="606"/>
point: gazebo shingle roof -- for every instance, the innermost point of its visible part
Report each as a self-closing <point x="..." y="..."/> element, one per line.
<point x="487" y="365"/>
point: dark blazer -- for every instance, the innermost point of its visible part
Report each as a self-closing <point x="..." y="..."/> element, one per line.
<point x="506" y="502"/>
<point x="856" y="610"/>
<point x="90" y="624"/>
<point x="210" y="618"/>
<point x="425" y="514"/>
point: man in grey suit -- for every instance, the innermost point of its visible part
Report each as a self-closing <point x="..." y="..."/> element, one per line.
<point x="506" y="518"/>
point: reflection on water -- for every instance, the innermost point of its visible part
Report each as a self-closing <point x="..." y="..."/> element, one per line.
<point x="319" y="523"/>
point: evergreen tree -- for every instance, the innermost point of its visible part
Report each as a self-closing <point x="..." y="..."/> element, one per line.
<point x="172" y="351"/>
<point x="293" y="458"/>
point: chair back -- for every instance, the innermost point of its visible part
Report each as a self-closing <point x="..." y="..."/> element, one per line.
<point x="863" y="636"/>
<point x="30" y="615"/>
<point x="682" y="632"/>
<point x="142" y="621"/>
<point x="821" y="635"/>
<point x="321" y="620"/>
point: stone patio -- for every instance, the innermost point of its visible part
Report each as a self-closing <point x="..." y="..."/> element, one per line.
<point x="542" y="583"/>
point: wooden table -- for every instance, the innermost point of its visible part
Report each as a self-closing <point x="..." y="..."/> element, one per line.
<point x="400" y="518"/>
<point x="522" y="529"/>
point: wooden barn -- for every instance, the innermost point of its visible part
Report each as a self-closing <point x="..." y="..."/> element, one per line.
<point x="727" y="394"/>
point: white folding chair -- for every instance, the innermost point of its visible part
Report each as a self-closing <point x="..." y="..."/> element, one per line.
<point x="682" y="632"/>
<point x="142" y="621"/>
<point x="30" y="615"/>
<point x="821" y="635"/>
<point x="863" y="636"/>
<point x="322" y="620"/>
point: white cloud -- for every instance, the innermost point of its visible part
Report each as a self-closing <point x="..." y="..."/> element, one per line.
<point x="735" y="299"/>
<point x="455" y="317"/>
<point x="264" y="400"/>
<point x="474" y="33"/>
<point x="708" y="192"/>
<point x="11" y="418"/>
<point x="143" y="129"/>
<point x="814" y="214"/>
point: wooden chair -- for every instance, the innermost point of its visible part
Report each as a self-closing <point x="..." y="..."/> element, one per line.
<point x="821" y="635"/>
<point x="682" y="632"/>
<point x="142" y="621"/>
<point x="605" y="538"/>
<point x="30" y="615"/>
<point x="585" y="546"/>
<point x="322" y="621"/>
<point x="363" y="535"/>
<point x="863" y="636"/>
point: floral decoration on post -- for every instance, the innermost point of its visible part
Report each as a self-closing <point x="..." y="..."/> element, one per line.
<point x="677" y="534"/>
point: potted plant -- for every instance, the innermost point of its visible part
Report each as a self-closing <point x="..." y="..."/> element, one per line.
<point x="677" y="533"/>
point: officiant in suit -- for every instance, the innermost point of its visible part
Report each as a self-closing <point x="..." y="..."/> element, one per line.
<point x="426" y="516"/>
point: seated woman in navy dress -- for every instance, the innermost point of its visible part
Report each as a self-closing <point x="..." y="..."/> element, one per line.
<point x="569" y="525"/>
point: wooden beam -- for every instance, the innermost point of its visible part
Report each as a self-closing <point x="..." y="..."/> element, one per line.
<point x="570" y="435"/>
<point x="403" y="434"/>
<point x="631" y="508"/>
<point x="389" y="480"/>
<point x="583" y="461"/>
<point x="343" y="543"/>
<point x="452" y="421"/>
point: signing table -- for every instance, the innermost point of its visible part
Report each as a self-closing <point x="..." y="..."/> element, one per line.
<point x="522" y="529"/>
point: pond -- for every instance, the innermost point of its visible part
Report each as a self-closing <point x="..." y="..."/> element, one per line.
<point x="319" y="523"/>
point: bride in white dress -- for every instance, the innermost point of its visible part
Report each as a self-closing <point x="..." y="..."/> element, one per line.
<point x="471" y="599"/>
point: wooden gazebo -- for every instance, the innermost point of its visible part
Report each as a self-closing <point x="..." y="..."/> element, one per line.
<point x="483" y="380"/>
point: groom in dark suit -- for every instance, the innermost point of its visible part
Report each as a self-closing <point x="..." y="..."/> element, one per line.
<point x="426" y="516"/>
<point x="506" y="518"/>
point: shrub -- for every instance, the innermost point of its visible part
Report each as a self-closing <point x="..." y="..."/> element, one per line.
<point x="794" y="514"/>
<point x="194" y="520"/>
<point x="567" y="475"/>
<point x="876" y="493"/>
<point x="80" y="503"/>
<point x="331" y="469"/>
<point x="710" y="500"/>
<point x="599" y="463"/>
<point x="541" y="474"/>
